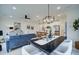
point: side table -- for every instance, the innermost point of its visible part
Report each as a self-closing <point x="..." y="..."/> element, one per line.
<point x="77" y="44"/>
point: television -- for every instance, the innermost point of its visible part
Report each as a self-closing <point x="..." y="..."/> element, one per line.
<point x="1" y="32"/>
<point x="10" y="27"/>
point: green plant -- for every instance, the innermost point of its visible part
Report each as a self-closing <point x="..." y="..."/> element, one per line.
<point x="76" y="24"/>
<point x="48" y="27"/>
<point x="50" y="31"/>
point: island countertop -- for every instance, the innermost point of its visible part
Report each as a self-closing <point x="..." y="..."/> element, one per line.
<point x="48" y="46"/>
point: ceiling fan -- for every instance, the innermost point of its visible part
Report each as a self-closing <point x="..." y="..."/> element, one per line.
<point x="26" y="17"/>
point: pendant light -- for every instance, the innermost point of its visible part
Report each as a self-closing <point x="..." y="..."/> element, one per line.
<point x="48" y="19"/>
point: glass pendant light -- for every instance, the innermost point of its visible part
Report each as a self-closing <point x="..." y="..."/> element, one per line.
<point x="48" y="19"/>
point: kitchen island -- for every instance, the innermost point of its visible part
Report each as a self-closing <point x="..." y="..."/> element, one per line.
<point x="48" y="45"/>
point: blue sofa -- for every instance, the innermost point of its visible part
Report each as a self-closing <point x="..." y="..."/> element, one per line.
<point x="18" y="41"/>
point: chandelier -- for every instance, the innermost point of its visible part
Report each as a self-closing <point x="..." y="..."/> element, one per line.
<point x="48" y="19"/>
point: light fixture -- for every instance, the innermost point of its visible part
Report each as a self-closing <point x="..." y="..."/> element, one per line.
<point x="10" y="16"/>
<point x="37" y="16"/>
<point x="58" y="7"/>
<point x="48" y="18"/>
<point x="14" y="8"/>
<point x="59" y="15"/>
<point x="44" y="21"/>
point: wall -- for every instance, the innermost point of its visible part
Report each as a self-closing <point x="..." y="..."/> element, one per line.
<point x="61" y="23"/>
<point x="5" y="23"/>
<point x="71" y="16"/>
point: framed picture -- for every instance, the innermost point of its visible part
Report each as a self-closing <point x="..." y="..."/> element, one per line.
<point x="17" y="25"/>
<point x="28" y="27"/>
<point x="57" y="27"/>
<point x="32" y="28"/>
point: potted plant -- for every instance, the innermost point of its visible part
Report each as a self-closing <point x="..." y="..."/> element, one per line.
<point x="76" y="24"/>
<point x="50" y="32"/>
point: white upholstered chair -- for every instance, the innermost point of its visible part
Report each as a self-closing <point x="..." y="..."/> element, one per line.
<point x="31" y="50"/>
<point x="65" y="48"/>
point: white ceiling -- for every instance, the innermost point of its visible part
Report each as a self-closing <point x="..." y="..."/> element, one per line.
<point x="33" y="10"/>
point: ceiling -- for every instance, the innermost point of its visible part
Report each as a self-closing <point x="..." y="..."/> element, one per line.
<point x="34" y="11"/>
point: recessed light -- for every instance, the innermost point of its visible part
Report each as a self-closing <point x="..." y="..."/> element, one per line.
<point x="59" y="15"/>
<point x="14" y="8"/>
<point x="37" y="16"/>
<point x="58" y="8"/>
<point x="11" y="16"/>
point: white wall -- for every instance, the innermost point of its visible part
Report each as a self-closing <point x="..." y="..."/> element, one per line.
<point x="61" y="23"/>
<point x="71" y="16"/>
<point x="5" y="23"/>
